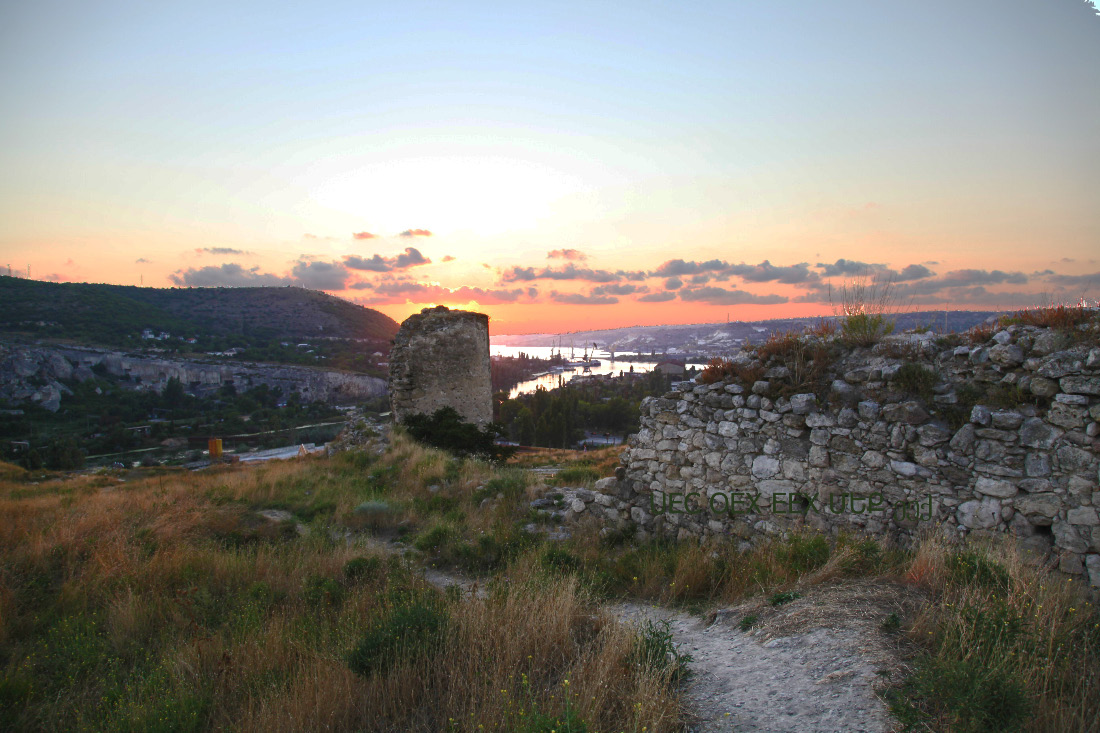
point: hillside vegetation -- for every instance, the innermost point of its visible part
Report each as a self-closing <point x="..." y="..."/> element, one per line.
<point x="271" y="598"/>
<point x="117" y="314"/>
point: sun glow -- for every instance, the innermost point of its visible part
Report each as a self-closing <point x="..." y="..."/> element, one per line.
<point x="485" y="196"/>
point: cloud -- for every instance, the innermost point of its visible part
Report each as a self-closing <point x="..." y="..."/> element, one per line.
<point x="767" y="272"/>
<point x="230" y="275"/>
<point x="919" y="285"/>
<point x="1073" y="281"/>
<point x="401" y="290"/>
<point x="581" y="299"/>
<point x="141" y="261"/>
<point x="657" y="297"/>
<point x="415" y="233"/>
<point x="618" y="289"/>
<point x="318" y="275"/>
<point x="411" y="257"/>
<point x="567" y="254"/>
<point x="847" y="268"/>
<point x="878" y="271"/>
<point x="703" y="272"/>
<point x="363" y="235"/>
<point x="448" y="258"/>
<point x="722" y="296"/>
<point x="221" y="251"/>
<point x="568" y="272"/>
<point x="673" y="283"/>
<point x="680" y="267"/>
<point x="914" y="272"/>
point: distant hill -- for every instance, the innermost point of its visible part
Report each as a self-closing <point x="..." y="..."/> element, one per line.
<point x="116" y="314"/>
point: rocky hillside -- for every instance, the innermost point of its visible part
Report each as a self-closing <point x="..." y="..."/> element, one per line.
<point x="111" y="314"/>
<point x="42" y="376"/>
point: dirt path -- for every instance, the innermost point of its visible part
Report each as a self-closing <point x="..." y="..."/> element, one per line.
<point x="811" y="665"/>
<point x="814" y="681"/>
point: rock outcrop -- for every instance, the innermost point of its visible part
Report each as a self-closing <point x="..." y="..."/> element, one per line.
<point x="36" y="374"/>
<point x="440" y="358"/>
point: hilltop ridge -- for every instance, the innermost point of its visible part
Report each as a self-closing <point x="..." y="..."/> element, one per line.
<point x="114" y="314"/>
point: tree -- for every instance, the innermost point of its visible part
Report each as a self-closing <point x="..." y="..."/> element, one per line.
<point x="174" y="394"/>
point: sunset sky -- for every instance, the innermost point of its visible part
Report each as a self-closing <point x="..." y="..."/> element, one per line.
<point x="560" y="166"/>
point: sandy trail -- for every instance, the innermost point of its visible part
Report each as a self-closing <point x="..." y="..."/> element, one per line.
<point x="816" y="681"/>
<point x="809" y="666"/>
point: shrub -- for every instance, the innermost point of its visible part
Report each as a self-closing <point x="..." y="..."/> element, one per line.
<point x="778" y="599"/>
<point x="865" y="309"/>
<point x="916" y="379"/>
<point x="359" y="568"/>
<point x="434" y="538"/>
<point x="446" y="429"/>
<point x="973" y="567"/>
<point x="405" y="634"/>
<point x="319" y="591"/>
<point x="803" y="553"/>
<point x="654" y="648"/>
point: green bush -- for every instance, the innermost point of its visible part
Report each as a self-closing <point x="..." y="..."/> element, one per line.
<point x="405" y="634"/>
<point x="778" y="599"/>
<point x="804" y="552"/>
<point x="361" y="568"/>
<point x="319" y="591"/>
<point x="972" y="567"/>
<point x="916" y="379"/>
<point x="865" y="329"/>
<point x="446" y="429"/>
<point x="654" y="648"/>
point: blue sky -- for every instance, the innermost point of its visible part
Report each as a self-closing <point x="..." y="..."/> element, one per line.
<point x="963" y="133"/>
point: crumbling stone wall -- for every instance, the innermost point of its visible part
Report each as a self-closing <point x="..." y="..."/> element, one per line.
<point x="440" y="358"/>
<point x="1024" y="463"/>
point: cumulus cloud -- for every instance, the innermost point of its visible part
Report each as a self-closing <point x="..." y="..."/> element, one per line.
<point x="568" y="272"/>
<point x="230" y="275"/>
<point x="673" y="283"/>
<point x="319" y="275"/>
<point x="767" y="272"/>
<point x="363" y="235"/>
<point x="411" y="257"/>
<point x="567" y="254"/>
<point x="1073" y="281"/>
<point x="673" y="268"/>
<point x="703" y="272"/>
<point x="878" y="271"/>
<point x="448" y="258"/>
<point x="141" y="261"/>
<point x="914" y="272"/>
<point x="221" y="251"/>
<point x="402" y="290"/>
<point x="581" y="299"/>
<point x="415" y="233"/>
<point x="722" y="296"/>
<point x="618" y="289"/>
<point x="657" y="297"/>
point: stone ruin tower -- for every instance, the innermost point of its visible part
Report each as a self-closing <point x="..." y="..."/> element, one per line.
<point x="440" y="358"/>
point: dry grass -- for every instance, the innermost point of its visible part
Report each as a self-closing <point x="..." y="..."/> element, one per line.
<point x="1026" y="632"/>
<point x="169" y="603"/>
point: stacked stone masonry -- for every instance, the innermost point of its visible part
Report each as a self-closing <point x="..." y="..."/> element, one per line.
<point x="440" y="358"/>
<point x="1029" y="470"/>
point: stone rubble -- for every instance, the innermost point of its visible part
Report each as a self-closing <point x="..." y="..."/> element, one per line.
<point x="1029" y="470"/>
